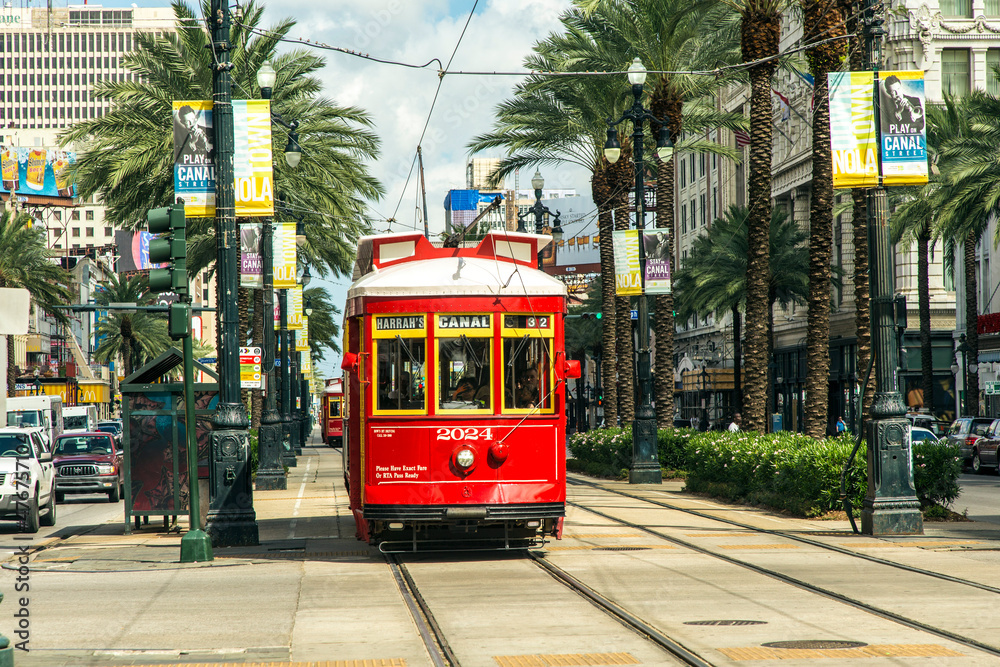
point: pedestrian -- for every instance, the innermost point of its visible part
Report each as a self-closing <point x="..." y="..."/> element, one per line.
<point x="735" y="425"/>
<point x="841" y="426"/>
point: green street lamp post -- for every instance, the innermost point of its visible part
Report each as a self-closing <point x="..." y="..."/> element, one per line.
<point x="287" y="452"/>
<point x="539" y="211"/>
<point x="645" y="468"/>
<point x="297" y="397"/>
<point x="967" y="369"/>
<point x="304" y="384"/>
<point x="231" y="517"/>
<point x="890" y="506"/>
<point x="271" y="472"/>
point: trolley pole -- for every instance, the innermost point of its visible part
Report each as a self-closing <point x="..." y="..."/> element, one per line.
<point x="890" y="506"/>
<point x="231" y="517"/>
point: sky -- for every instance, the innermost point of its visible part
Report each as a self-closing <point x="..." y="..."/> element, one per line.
<point x="499" y="36"/>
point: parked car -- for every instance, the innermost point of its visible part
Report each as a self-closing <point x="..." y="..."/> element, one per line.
<point x="984" y="450"/>
<point x="964" y="432"/>
<point x="27" y="480"/>
<point x="919" y="433"/>
<point x="89" y="463"/>
<point x="928" y="422"/>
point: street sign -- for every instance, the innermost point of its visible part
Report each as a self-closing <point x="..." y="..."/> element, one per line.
<point x="250" y="375"/>
<point x="993" y="388"/>
<point x="207" y="360"/>
<point x="634" y="314"/>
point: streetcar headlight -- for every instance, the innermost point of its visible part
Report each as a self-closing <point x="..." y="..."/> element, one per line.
<point x="465" y="458"/>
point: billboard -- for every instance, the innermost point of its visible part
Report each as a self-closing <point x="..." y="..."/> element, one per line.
<point x="36" y="170"/>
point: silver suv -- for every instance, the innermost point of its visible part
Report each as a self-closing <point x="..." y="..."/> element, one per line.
<point x="27" y="479"/>
<point x="963" y="434"/>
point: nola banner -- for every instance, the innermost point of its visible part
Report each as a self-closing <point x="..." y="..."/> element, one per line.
<point x="294" y="314"/>
<point x="251" y="256"/>
<point x="853" y="139"/>
<point x="852" y="130"/>
<point x="629" y="274"/>
<point x="628" y="278"/>
<point x="194" y="170"/>
<point x="302" y="338"/>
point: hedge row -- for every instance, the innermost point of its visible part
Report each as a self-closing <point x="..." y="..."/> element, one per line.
<point x="786" y="471"/>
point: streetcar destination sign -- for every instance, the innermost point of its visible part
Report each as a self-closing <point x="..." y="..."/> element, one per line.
<point x="464" y="321"/>
<point x="406" y="322"/>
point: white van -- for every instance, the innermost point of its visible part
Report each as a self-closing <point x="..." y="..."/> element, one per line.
<point x="45" y="412"/>
<point x="79" y="418"/>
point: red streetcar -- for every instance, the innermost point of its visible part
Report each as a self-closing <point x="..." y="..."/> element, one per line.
<point x="333" y="423"/>
<point x="455" y="396"/>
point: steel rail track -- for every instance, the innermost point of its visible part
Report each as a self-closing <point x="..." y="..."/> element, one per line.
<point x="430" y="632"/>
<point x="623" y="616"/>
<point x="798" y="583"/>
<point x="798" y="538"/>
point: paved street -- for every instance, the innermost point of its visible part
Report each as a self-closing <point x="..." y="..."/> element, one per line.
<point x="980" y="496"/>
<point x="312" y="594"/>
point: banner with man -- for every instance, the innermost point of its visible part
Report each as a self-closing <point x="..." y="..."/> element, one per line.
<point x="903" y="128"/>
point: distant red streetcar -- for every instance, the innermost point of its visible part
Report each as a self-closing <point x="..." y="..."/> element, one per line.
<point x="454" y="412"/>
<point x="333" y="423"/>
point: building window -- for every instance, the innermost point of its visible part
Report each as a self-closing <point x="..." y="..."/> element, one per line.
<point x="992" y="61"/>
<point x="993" y="7"/>
<point x="90" y="215"/>
<point x="694" y="214"/>
<point x="109" y="231"/>
<point x="75" y="215"/>
<point x="683" y="176"/>
<point x="684" y="218"/>
<point x="956" y="8"/>
<point x="703" y="212"/>
<point x="76" y="232"/>
<point x="90" y="232"/>
<point x="955" y="71"/>
<point x="58" y="215"/>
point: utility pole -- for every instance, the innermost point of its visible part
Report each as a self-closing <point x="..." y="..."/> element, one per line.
<point x="231" y="517"/>
<point x="890" y="506"/>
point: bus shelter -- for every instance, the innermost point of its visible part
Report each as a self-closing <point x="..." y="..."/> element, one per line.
<point x="156" y="469"/>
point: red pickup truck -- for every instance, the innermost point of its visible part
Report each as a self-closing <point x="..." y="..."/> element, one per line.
<point x="89" y="463"/>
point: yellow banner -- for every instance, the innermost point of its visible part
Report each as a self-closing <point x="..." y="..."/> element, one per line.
<point x="252" y="157"/>
<point x="852" y="130"/>
<point x="302" y="338"/>
<point x="284" y="255"/>
<point x="628" y="279"/>
<point x="295" y="308"/>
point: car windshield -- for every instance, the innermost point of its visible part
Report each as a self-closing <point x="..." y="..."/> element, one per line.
<point x="21" y="418"/>
<point x="15" y="444"/>
<point x="82" y="445"/>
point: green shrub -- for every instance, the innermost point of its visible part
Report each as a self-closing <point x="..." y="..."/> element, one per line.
<point x="936" y="468"/>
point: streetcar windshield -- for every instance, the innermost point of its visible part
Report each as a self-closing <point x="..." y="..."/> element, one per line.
<point x="334" y="407"/>
<point x="400" y="374"/>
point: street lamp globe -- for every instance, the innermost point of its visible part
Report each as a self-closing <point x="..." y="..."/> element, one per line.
<point x="664" y="146"/>
<point x="266" y="76"/>
<point x="293" y="152"/>
<point x="537" y="182"/>
<point x="306" y="276"/>
<point x="636" y="73"/>
<point x="612" y="147"/>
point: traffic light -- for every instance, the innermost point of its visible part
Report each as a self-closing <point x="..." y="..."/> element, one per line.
<point x="171" y="248"/>
<point x="600" y="399"/>
<point x="592" y="316"/>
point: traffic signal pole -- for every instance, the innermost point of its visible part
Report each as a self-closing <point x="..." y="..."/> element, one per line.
<point x="890" y="506"/>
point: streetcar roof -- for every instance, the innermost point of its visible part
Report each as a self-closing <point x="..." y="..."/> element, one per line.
<point x="408" y="265"/>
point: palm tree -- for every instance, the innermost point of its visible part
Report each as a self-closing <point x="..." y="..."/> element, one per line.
<point x="760" y="32"/>
<point x="968" y="197"/>
<point x="132" y="337"/>
<point x="25" y="263"/>
<point x="324" y="332"/>
<point x="562" y="120"/>
<point x="713" y="279"/>
<point x="128" y="159"/>
<point x="821" y="20"/>
<point x="667" y="36"/>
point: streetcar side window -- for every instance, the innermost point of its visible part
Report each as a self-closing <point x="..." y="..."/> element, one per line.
<point x="464" y="373"/>
<point x="400" y="374"/>
<point x="526" y="373"/>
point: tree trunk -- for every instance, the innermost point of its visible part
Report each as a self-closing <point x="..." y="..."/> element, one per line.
<point x="924" y="307"/>
<point x="971" y="328"/>
<point x="669" y="109"/>
<point x="623" y="173"/>
<point x="257" y="399"/>
<point x="759" y="38"/>
<point x="822" y="20"/>
<point x="605" y="225"/>
<point x="737" y="360"/>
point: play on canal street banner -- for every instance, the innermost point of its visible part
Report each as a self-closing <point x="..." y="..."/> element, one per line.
<point x="852" y="130"/>
<point x="628" y="278"/>
<point x="904" y="131"/>
<point x="250" y="255"/>
<point x="657" y="261"/>
<point x="194" y="169"/>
